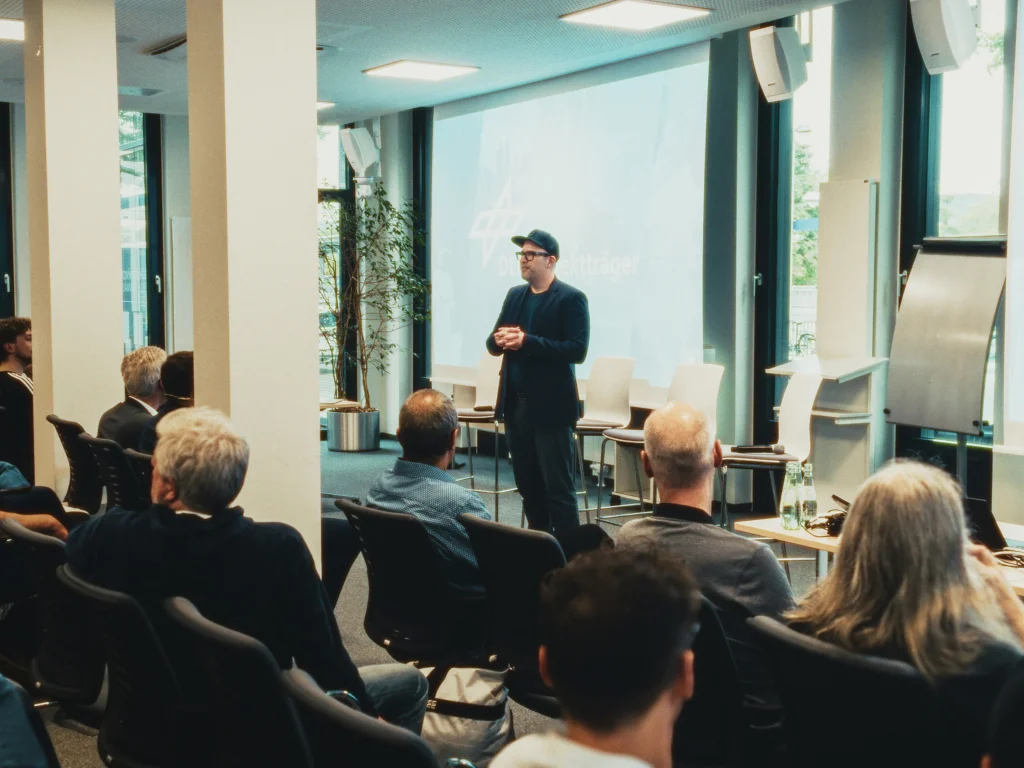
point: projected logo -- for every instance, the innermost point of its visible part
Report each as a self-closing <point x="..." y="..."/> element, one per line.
<point x="497" y="224"/>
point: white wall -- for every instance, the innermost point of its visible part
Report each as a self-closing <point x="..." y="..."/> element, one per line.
<point x="19" y="164"/>
<point x="177" y="248"/>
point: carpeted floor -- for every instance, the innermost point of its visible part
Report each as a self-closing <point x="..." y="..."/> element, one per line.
<point x="350" y="475"/>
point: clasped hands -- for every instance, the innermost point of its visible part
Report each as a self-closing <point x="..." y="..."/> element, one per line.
<point x="509" y="337"/>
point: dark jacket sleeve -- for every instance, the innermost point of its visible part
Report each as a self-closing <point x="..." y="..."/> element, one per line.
<point x="492" y="346"/>
<point x="315" y="640"/>
<point x="573" y="349"/>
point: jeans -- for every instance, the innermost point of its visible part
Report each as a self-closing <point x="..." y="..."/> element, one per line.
<point x="542" y="462"/>
<point x="399" y="693"/>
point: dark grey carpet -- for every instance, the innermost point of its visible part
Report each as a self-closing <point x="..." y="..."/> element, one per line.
<point x="351" y="475"/>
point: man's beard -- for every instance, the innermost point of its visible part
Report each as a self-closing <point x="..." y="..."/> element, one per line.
<point x="25" y="361"/>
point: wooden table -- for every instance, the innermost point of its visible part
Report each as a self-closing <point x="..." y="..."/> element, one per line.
<point x="771" y="528"/>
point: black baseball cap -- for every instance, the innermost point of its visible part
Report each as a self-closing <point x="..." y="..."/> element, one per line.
<point x="544" y="239"/>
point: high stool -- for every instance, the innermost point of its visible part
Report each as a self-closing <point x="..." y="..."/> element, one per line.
<point x="696" y="384"/>
<point x="487" y="380"/>
<point x="607" y="407"/>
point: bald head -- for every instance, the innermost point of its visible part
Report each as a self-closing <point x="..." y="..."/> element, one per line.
<point x="426" y="425"/>
<point x="680" y="447"/>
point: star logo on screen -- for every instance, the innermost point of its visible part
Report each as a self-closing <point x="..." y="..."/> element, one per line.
<point x="496" y="224"/>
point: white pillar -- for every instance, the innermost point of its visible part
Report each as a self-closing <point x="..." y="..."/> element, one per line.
<point x="74" y="216"/>
<point x="252" y="139"/>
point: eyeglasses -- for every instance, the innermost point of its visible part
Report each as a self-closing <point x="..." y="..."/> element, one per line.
<point x="529" y="255"/>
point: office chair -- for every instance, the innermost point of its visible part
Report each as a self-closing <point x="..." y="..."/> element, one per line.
<point x="257" y="723"/>
<point x="513" y="563"/>
<point x="847" y="710"/>
<point x="67" y="667"/>
<point x="121" y="481"/>
<point x="412" y="611"/>
<point x="338" y="734"/>
<point x="142" y="466"/>
<point x="85" y="489"/>
<point x="143" y="725"/>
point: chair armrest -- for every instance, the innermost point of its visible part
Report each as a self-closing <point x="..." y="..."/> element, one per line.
<point x="346" y="698"/>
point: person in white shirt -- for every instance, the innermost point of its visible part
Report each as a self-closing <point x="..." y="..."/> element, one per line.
<point x="617" y="627"/>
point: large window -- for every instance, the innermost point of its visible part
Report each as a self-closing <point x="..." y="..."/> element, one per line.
<point x="971" y="131"/>
<point x="811" y="114"/>
<point x="332" y="180"/>
<point x="134" y="256"/>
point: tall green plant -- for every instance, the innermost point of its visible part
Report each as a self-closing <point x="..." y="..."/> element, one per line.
<point x="370" y="285"/>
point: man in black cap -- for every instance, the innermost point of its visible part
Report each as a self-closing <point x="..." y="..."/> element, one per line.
<point x="543" y="331"/>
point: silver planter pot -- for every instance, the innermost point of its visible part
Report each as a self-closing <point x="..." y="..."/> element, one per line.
<point x="353" y="431"/>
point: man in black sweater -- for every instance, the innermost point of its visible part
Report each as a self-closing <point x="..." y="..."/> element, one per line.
<point x="16" y="395"/>
<point x="543" y="332"/>
<point x="255" y="578"/>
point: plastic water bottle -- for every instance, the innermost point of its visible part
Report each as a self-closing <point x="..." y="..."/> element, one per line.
<point x="808" y="496"/>
<point x="789" y="507"/>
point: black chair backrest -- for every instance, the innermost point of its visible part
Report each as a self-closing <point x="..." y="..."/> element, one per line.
<point x="710" y="729"/>
<point x="68" y="665"/>
<point x="513" y="563"/>
<point x="142" y="466"/>
<point x="38" y="728"/>
<point x="85" y="490"/>
<point x="844" y="709"/>
<point x="411" y="611"/>
<point x="123" y="488"/>
<point x="257" y="724"/>
<point x="1003" y="745"/>
<point x="143" y="723"/>
<point x="339" y="735"/>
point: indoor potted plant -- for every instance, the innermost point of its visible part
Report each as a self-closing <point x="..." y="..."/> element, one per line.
<point x="369" y="288"/>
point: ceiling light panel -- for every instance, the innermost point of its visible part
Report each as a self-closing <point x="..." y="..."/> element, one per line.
<point x="636" y="15"/>
<point x="420" y="70"/>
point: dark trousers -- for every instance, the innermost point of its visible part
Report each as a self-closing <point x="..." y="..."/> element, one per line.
<point x="542" y="462"/>
<point x="339" y="547"/>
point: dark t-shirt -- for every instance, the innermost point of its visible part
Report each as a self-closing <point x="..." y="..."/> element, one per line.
<point x="16" y="443"/>
<point x="514" y="358"/>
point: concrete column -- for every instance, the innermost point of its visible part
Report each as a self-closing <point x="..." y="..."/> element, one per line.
<point x="868" y="62"/>
<point x="252" y="147"/>
<point x="74" y="217"/>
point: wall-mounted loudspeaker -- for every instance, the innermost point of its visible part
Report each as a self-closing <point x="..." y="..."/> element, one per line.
<point x="779" y="61"/>
<point x="946" y="32"/>
<point x="360" y="149"/>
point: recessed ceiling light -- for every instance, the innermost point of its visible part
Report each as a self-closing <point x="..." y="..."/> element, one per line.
<point x="420" y="70"/>
<point x="12" y="29"/>
<point x="639" y="15"/>
<point x="324" y="104"/>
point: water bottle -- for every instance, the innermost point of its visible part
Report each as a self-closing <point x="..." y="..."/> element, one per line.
<point x="789" y="507"/>
<point x="808" y="496"/>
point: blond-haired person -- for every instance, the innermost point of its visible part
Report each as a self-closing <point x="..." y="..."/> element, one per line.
<point x="140" y="372"/>
<point x="908" y="584"/>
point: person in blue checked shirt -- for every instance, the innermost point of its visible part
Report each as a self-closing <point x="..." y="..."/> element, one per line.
<point x="418" y="484"/>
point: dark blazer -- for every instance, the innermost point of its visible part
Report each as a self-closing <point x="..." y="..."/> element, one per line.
<point x="123" y="423"/>
<point x="557" y="343"/>
<point x="254" y="578"/>
<point x="147" y="436"/>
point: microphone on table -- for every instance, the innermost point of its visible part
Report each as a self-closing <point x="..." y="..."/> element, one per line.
<point x="777" y="449"/>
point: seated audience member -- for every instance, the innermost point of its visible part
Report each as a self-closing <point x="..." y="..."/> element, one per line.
<point x="255" y="578"/>
<point x="16" y="435"/>
<point x="176" y="383"/>
<point x="909" y="585"/>
<point x="19" y="744"/>
<point x="741" y="577"/>
<point x="428" y="427"/>
<point x="616" y="631"/>
<point x="140" y="371"/>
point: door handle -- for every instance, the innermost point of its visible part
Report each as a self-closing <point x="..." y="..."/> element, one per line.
<point x="758" y="280"/>
<point x="7" y="281"/>
<point x="159" y="284"/>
